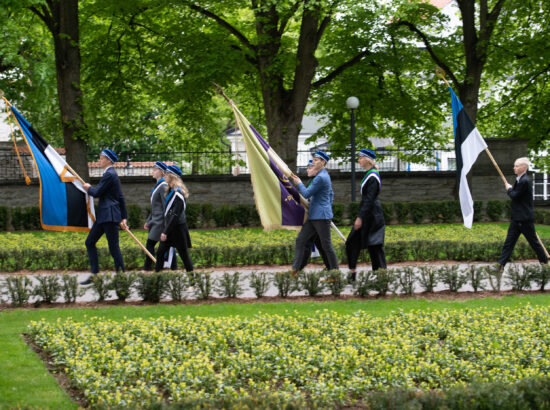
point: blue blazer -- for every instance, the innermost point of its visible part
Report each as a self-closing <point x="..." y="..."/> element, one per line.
<point x="320" y="192"/>
<point x="111" y="206"/>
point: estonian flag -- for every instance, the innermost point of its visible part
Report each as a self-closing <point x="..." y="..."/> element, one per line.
<point x="468" y="145"/>
<point x="64" y="204"/>
<point x="278" y="202"/>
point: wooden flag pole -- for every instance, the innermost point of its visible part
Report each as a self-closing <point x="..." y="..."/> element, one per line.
<point x="72" y="171"/>
<point x="441" y="74"/>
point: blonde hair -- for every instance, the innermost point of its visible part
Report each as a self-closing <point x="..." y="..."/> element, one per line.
<point x="523" y="161"/>
<point x="175" y="182"/>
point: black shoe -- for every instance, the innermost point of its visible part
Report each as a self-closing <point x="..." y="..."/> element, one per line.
<point x="87" y="281"/>
<point x="352" y="277"/>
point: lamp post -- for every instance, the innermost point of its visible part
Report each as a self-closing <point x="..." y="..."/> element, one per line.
<point x="352" y="103"/>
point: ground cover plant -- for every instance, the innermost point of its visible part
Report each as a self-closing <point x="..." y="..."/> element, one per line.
<point x="25" y="382"/>
<point x="251" y="246"/>
<point x="328" y="357"/>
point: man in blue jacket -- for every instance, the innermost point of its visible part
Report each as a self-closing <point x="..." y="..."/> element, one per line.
<point x="319" y="216"/>
<point x="110" y="212"/>
<point x="523" y="215"/>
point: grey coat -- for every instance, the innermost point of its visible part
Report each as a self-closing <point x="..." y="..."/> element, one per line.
<point x="155" y="221"/>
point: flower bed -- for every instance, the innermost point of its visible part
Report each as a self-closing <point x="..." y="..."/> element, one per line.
<point x="327" y="358"/>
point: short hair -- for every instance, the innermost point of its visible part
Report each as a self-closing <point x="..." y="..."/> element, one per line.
<point x="523" y="161"/>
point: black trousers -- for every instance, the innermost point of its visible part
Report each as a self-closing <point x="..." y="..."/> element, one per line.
<point x="353" y="249"/>
<point x="178" y="241"/>
<point x="150" y="246"/>
<point x="526" y="228"/>
<point x="110" y="229"/>
<point x="311" y="228"/>
<point x="307" y="255"/>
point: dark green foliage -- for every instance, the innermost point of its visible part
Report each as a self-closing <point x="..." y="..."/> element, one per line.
<point x="406" y="279"/>
<point x="450" y="211"/>
<point x="4" y="218"/>
<point x="135" y="218"/>
<point x="364" y="283"/>
<point x="452" y="276"/>
<point x="285" y="283"/>
<point x="311" y="282"/>
<point x="518" y="277"/>
<point x="476" y="276"/>
<point x="427" y="278"/>
<point x="152" y="286"/>
<point x="494" y="275"/>
<point x="540" y="274"/>
<point x="224" y="216"/>
<point x="19" y="289"/>
<point x="207" y="212"/>
<point x="101" y="284"/>
<point x="338" y="211"/>
<point x="70" y="289"/>
<point x="260" y="283"/>
<point x="402" y="211"/>
<point x="353" y="211"/>
<point x="203" y="284"/>
<point x="336" y="282"/>
<point x="48" y="288"/>
<point x="418" y="211"/>
<point x="25" y="218"/>
<point x="193" y="213"/>
<point x="387" y="209"/>
<point x="384" y="278"/>
<point x="494" y="210"/>
<point x="229" y="285"/>
<point x="433" y="209"/>
<point x="244" y="214"/>
<point x="122" y="283"/>
<point x="177" y="283"/>
<point x="478" y="211"/>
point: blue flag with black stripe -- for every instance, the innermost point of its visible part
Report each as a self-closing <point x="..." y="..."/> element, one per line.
<point x="64" y="204"/>
<point x="468" y="145"/>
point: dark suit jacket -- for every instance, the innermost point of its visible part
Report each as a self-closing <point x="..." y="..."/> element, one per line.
<point x="370" y="211"/>
<point x="522" y="200"/>
<point x="111" y="206"/>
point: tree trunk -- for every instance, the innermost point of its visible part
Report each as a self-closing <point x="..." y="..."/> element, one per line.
<point x="61" y="18"/>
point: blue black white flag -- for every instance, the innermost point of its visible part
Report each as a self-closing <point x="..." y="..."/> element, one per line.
<point x="468" y="145"/>
<point x="64" y="204"/>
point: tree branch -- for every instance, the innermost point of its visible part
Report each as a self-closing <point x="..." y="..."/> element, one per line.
<point x="426" y="42"/>
<point x="338" y="70"/>
<point x="285" y="20"/>
<point x="324" y="24"/>
<point x="225" y="25"/>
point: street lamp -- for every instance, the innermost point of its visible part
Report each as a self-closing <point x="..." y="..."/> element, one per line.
<point x="352" y="103"/>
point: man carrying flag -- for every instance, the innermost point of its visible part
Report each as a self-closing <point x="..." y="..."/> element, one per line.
<point x="111" y="211"/>
<point x="320" y="214"/>
<point x="468" y="145"/>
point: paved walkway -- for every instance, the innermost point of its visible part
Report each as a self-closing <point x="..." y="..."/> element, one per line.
<point x="90" y="295"/>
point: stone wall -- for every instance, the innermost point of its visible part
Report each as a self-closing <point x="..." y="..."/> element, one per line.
<point x="396" y="186"/>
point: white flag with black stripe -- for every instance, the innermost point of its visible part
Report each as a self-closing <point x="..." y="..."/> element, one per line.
<point x="468" y="145"/>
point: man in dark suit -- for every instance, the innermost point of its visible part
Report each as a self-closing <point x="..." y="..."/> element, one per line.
<point x="110" y="212"/>
<point x="523" y="215"/>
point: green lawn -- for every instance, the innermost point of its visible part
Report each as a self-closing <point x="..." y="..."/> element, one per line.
<point x="25" y="382"/>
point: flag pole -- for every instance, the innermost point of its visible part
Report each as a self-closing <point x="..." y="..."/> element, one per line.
<point x="441" y="74"/>
<point x="281" y="165"/>
<point x="72" y="171"/>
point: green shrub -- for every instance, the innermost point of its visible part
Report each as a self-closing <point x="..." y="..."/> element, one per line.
<point x="207" y="212"/>
<point x="518" y="278"/>
<point x="285" y="283"/>
<point x="494" y="274"/>
<point x="70" y="289"/>
<point x="229" y="285"/>
<point x="384" y="279"/>
<point x="203" y="284"/>
<point x="151" y="287"/>
<point x="406" y="278"/>
<point x="434" y="211"/>
<point x="353" y="210"/>
<point x="427" y="278"/>
<point x="260" y="283"/>
<point x="450" y="211"/>
<point x="478" y="211"/>
<point x="336" y="282"/>
<point x="19" y="289"/>
<point x="100" y="285"/>
<point x="402" y="210"/>
<point x="476" y="276"/>
<point x="364" y="283"/>
<point x="418" y="211"/>
<point x="243" y="214"/>
<point x="177" y="283"/>
<point x="311" y="282"/>
<point x="338" y="211"/>
<point x="192" y="213"/>
<point x="122" y="283"/>
<point x="224" y="216"/>
<point x="452" y="276"/>
<point x="17" y="218"/>
<point x="4" y="218"/>
<point x="387" y="209"/>
<point x="540" y="274"/>
<point x="48" y="288"/>
<point x="494" y="210"/>
<point x="135" y="218"/>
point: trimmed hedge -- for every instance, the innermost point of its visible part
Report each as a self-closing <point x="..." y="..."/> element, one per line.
<point x="244" y="215"/>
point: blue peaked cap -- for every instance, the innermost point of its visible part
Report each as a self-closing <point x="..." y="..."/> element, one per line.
<point x="110" y="154"/>
<point x="172" y="169"/>
<point x="365" y="152"/>
<point x="160" y="165"/>
<point x="323" y="155"/>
